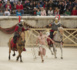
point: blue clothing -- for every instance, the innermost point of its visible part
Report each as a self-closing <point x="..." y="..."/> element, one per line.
<point x="38" y="6"/>
<point x="18" y="13"/>
<point x="39" y="13"/>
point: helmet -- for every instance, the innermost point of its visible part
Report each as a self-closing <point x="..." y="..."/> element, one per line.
<point x="56" y="20"/>
<point x="20" y="24"/>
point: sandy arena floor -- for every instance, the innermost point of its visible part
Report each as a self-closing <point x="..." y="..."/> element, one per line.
<point x="29" y="63"/>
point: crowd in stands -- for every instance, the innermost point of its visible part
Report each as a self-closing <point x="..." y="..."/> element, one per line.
<point x="38" y="7"/>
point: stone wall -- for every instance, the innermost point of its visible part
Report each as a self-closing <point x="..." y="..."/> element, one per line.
<point x="9" y="21"/>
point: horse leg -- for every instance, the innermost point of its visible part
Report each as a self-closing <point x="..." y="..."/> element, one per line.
<point x="9" y="52"/>
<point x="50" y="50"/>
<point x="54" y="49"/>
<point x="61" y="51"/>
<point x="20" y="51"/>
<point x="18" y="57"/>
<point x="14" y="53"/>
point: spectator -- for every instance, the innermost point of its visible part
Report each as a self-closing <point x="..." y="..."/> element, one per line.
<point x="1" y="13"/>
<point x="18" y="13"/>
<point x="6" y="13"/>
<point x="11" y="2"/>
<point x="8" y="6"/>
<point x="38" y="5"/>
<point x="34" y="4"/>
<point x="45" y="5"/>
<point x="31" y="6"/>
<point x="67" y="12"/>
<point x="34" y="11"/>
<point x="50" y="4"/>
<point x="14" y="8"/>
<point x="38" y="12"/>
<point x="20" y="6"/>
<point x="43" y="12"/>
<point x="27" y="4"/>
<point x="74" y="11"/>
<point x="0" y="5"/>
<point x="5" y="1"/>
<point x="75" y="3"/>
<point x="70" y="6"/>
<point x="50" y="11"/>
<point x="65" y="6"/>
<point x="56" y="11"/>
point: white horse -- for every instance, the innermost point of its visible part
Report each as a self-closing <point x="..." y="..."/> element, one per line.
<point x="58" y="38"/>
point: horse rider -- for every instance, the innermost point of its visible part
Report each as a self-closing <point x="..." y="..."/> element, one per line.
<point x="54" y="27"/>
<point x="18" y="30"/>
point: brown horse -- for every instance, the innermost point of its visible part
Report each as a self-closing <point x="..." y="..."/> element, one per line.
<point x="20" y="45"/>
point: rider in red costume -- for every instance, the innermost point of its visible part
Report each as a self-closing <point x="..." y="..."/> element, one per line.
<point x="19" y="28"/>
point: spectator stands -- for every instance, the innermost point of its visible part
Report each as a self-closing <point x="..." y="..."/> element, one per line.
<point x="39" y="7"/>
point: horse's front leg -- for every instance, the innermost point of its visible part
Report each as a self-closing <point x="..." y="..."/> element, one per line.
<point x="14" y="53"/>
<point x="61" y="50"/>
<point x="54" y="49"/>
<point x="17" y="58"/>
<point x="50" y="50"/>
<point x="20" y="51"/>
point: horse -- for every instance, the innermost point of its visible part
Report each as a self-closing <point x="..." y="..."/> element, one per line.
<point x="58" y="39"/>
<point x="20" y="45"/>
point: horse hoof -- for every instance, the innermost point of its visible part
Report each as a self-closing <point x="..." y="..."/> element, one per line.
<point x="17" y="58"/>
<point x="61" y="57"/>
<point x="13" y="54"/>
<point x="9" y="57"/>
<point x="21" y="61"/>
<point x="52" y="54"/>
<point x="56" y="57"/>
<point x="42" y="61"/>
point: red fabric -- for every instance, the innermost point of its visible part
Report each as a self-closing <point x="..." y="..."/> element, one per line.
<point x="74" y="12"/>
<point x="58" y="16"/>
<point x="49" y="41"/>
<point x="14" y="46"/>
<point x="51" y="30"/>
<point x="19" y="7"/>
<point x="34" y="13"/>
<point x="16" y="29"/>
<point x="7" y="6"/>
<point x="8" y="30"/>
<point x="44" y="5"/>
<point x="0" y="4"/>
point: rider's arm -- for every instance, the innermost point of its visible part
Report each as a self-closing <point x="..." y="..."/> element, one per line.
<point x="23" y="29"/>
<point x="49" y="39"/>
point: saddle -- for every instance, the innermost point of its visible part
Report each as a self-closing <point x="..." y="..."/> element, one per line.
<point x="14" y="47"/>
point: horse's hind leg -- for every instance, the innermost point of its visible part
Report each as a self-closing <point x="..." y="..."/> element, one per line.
<point x="54" y="49"/>
<point x="61" y="51"/>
